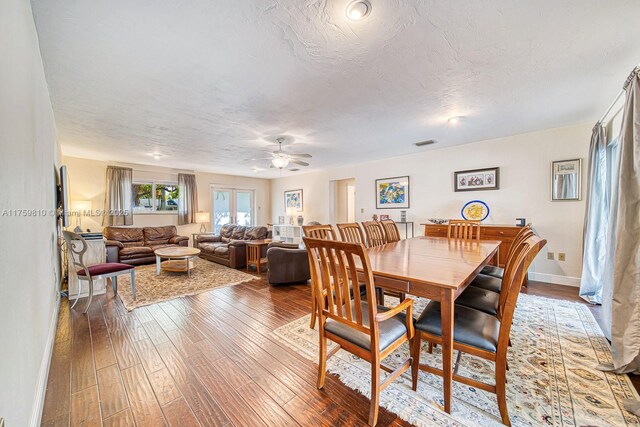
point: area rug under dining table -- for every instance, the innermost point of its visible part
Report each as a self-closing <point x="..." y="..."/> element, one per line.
<point x="552" y="380"/>
<point x="152" y="288"/>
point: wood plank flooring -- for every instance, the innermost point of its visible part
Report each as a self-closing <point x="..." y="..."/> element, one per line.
<point x="204" y="360"/>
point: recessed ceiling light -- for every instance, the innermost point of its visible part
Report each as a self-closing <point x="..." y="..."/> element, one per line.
<point x="156" y="156"/>
<point x="358" y="10"/>
<point x="455" y="120"/>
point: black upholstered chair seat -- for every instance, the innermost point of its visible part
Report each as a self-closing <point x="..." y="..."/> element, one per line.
<point x="480" y="299"/>
<point x="471" y="327"/>
<point x="493" y="271"/>
<point x="389" y="330"/>
<point x="487" y="282"/>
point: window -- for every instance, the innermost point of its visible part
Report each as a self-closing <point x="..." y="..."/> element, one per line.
<point x="155" y="197"/>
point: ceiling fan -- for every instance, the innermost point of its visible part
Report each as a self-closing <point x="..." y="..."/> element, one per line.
<point x="281" y="159"/>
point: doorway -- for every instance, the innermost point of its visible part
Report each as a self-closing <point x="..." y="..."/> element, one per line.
<point x="342" y="195"/>
<point x="232" y="206"/>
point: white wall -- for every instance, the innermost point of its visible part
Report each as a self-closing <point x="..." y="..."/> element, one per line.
<point x="87" y="182"/>
<point x="28" y="156"/>
<point x="525" y="168"/>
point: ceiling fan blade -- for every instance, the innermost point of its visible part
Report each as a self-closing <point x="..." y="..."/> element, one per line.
<point x="269" y="152"/>
<point x="300" y="155"/>
<point x="298" y="162"/>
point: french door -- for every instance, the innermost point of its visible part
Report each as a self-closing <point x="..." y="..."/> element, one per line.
<point x="231" y="206"/>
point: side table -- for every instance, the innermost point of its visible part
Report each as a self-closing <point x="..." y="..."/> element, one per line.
<point x="254" y="253"/>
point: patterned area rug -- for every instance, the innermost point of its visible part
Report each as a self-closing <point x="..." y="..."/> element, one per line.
<point x="151" y="288"/>
<point x="551" y="381"/>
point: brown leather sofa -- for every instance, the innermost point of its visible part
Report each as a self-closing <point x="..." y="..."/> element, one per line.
<point x="229" y="247"/>
<point x="135" y="245"/>
<point x="287" y="264"/>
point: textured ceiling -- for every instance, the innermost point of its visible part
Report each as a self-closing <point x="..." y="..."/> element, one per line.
<point x="207" y="84"/>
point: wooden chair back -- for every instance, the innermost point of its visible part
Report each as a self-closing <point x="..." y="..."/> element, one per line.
<point x="322" y="231"/>
<point x="334" y="275"/>
<point x="514" y="275"/>
<point x="351" y="232"/>
<point x="375" y="233"/>
<point x="522" y="235"/>
<point x="391" y="231"/>
<point x="464" y="229"/>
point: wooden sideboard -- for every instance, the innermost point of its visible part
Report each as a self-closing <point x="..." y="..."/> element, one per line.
<point x="504" y="233"/>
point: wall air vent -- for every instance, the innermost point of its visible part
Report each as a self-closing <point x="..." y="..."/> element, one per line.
<point x="423" y="143"/>
<point x="294" y="170"/>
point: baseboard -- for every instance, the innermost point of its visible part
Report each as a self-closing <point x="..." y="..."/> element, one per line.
<point x="555" y="279"/>
<point x="43" y="376"/>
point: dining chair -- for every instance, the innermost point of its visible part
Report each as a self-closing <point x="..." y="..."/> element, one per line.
<point x="464" y="229"/>
<point x="351" y="232"/>
<point x="493" y="283"/>
<point x="324" y="232"/>
<point x="477" y="333"/>
<point x="320" y="231"/>
<point x="391" y="232"/>
<point x="375" y="233"/>
<point x="486" y="300"/>
<point x="496" y="271"/>
<point x="356" y="325"/>
<point x="77" y="247"/>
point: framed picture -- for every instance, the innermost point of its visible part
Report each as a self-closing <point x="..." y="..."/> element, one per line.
<point x="293" y="200"/>
<point x="566" y="179"/>
<point x="477" y="179"/>
<point x="384" y="217"/>
<point x="392" y="193"/>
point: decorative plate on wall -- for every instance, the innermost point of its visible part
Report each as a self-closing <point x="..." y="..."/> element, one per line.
<point x="475" y="210"/>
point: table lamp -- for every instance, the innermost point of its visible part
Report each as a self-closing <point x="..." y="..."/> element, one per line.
<point x="81" y="208"/>
<point x="203" y="218"/>
<point x="291" y="212"/>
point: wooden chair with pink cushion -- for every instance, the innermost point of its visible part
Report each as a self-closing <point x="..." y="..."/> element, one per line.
<point x="108" y="270"/>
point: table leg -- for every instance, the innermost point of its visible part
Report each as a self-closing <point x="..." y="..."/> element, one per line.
<point x="188" y="267"/>
<point x="248" y="255"/>
<point x="446" y="316"/>
<point x="157" y="265"/>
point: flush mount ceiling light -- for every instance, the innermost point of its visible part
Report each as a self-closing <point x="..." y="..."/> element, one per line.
<point x="455" y="120"/>
<point x="358" y="10"/>
<point x="156" y="156"/>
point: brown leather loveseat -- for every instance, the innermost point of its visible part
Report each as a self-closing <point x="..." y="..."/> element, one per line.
<point x="229" y="247"/>
<point x="135" y="245"/>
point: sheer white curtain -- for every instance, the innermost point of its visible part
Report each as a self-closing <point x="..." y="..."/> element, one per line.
<point x="596" y="219"/>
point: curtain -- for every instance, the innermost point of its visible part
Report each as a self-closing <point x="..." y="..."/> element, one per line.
<point x="118" y="197"/>
<point x="596" y="219"/>
<point x="187" y="198"/>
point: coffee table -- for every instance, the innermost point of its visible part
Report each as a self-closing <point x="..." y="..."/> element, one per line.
<point x="179" y="259"/>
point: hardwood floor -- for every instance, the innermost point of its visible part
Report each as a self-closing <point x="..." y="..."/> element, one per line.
<point x="203" y="360"/>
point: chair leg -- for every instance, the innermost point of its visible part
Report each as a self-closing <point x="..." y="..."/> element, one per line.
<point x="501" y="390"/>
<point x="322" y="362"/>
<point x="416" y="347"/>
<point x="90" y="295"/>
<point x="133" y="283"/>
<point x="430" y="348"/>
<point x="77" y="293"/>
<point x="114" y="285"/>
<point x="375" y="392"/>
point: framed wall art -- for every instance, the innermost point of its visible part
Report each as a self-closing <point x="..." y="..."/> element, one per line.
<point x="477" y="179"/>
<point x="392" y="193"/>
<point x="293" y="200"/>
<point x="566" y="179"/>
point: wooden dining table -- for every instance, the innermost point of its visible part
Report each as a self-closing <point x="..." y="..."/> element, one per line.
<point x="437" y="268"/>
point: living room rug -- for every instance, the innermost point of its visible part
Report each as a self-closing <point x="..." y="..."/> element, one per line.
<point x="552" y="379"/>
<point x="167" y="286"/>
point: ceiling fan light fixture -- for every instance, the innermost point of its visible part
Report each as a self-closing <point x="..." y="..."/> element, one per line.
<point x="358" y="10"/>
<point x="280" y="162"/>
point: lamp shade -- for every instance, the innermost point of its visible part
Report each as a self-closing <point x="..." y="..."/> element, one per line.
<point x="203" y="217"/>
<point x="83" y="207"/>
